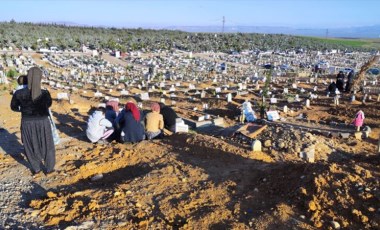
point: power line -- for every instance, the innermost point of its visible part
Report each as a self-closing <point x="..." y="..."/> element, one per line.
<point x="224" y="20"/>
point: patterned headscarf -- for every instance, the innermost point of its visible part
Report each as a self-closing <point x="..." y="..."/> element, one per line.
<point x="155" y="107"/>
<point x="114" y="105"/>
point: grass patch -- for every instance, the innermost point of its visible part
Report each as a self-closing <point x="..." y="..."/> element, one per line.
<point x="354" y="43"/>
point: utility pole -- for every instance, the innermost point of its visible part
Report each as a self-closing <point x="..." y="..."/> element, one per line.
<point x="224" y="20"/>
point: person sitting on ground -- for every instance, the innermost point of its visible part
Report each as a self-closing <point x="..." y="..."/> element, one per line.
<point x="130" y="125"/>
<point x="22" y="82"/>
<point x="340" y="81"/>
<point x="332" y="89"/>
<point x="154" y="122"/>
<point x="169" y="117"/>
<point x="112" y="110"/>
<point x="98" y="127"/>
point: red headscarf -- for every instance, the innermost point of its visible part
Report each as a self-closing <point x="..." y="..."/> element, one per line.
<point x="155" y="107"/>
<point x="134" y="110"/>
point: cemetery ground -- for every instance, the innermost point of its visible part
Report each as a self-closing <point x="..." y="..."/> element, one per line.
<point x="204" y="179"/>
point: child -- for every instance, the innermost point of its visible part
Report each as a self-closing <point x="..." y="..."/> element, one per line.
<point x="98" y="127"/>
<point x="22" y="82"/>
<point x="359" y="120"/>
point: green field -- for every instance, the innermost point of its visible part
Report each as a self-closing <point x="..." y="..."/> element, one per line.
<point x="356" y="43"/>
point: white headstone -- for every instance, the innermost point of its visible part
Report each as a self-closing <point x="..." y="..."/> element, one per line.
<point x="144" y="96"/>
<point x="285" y="109"/>
<point x="229" y="97"/>
<point x="273" y="115"/>
<point x="62" y="96"/>
<point x="256" y="146"/>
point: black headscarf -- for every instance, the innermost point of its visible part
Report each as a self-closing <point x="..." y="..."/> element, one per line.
<point x="34" y="82"/>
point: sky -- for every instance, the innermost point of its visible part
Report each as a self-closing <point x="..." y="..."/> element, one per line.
<point x="166" y="13"/>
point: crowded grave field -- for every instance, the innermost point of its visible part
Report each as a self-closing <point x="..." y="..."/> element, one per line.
<point x="263" y="139"/>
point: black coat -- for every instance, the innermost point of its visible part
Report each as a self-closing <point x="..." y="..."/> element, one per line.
<point x="169" y="116"/>
<point x="133" y="130"/>
<point x="22" y="102"/>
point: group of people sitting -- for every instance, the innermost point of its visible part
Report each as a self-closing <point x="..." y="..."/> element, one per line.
<point x="130" y="124"/>
<point x="340" y="84"/>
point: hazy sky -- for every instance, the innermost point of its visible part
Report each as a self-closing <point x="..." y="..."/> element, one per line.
<point x="162" y="13"/>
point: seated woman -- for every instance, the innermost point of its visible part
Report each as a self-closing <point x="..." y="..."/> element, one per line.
<point x="130" y="125"/>
<point x="112" y="110"/>
<point x="169" y="115"/>
<point x="98" y="127"/>
<point x="154" y="122"/>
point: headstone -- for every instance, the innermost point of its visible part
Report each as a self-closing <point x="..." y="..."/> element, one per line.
<point x="98" y="94"/>
<point x="286" y="90"/>
<point x="273" y="115"/>
<point x="162" y="100"/>
<point x="336" y="100"/>
<point x="256" y="146"/>
<point x="273" y="100"/>
<point x="203" y="94"/>
<point x="307" y="103"/>
<point x="285" y="109"/>
<point x="63" y="96"/>
<point x="229" y="97"/>
<point x="144" y="96"/>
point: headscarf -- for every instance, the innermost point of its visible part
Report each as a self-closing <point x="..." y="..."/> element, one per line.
<point x="34" y="82"/>
<point x="114" y="105"/>
<point x="134" y="110"/>
<point x="155" y="107"/>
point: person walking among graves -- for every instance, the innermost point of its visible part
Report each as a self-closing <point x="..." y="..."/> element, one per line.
<point x="331" y="89"/>
<point x="98" y="127"/>
<point x="340" y="81"/>
<point x="169" y="115"/>
<point x="36" y="133"/>
<point x="359" y="120"/>
<point x="130" y="124"/>
<point x="350" y="80"/>
<point x="154" y="122"/>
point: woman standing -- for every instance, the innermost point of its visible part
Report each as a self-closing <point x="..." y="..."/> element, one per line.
<point x="36" y="135"/>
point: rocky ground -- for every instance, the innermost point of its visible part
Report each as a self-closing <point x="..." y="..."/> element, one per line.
<point x="194" y="180"/>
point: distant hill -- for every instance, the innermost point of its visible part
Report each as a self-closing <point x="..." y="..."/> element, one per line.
<point x="349" y="32"/>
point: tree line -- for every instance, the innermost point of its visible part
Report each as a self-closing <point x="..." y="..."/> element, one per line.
<point x="36" y="36"/>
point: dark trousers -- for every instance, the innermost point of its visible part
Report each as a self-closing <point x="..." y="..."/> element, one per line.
<point x="36" y="135"/>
